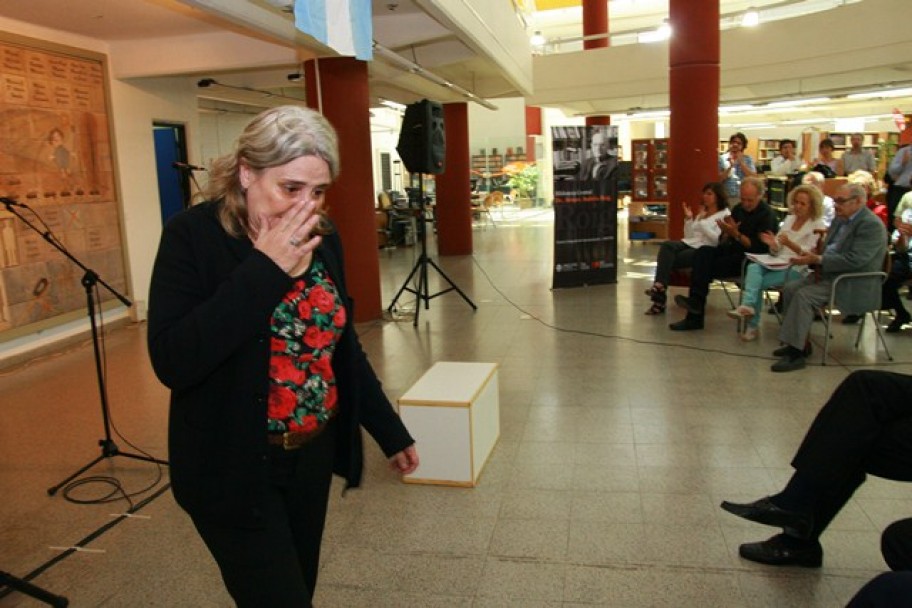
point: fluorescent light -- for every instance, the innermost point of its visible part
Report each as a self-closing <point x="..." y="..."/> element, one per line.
<point x="392" y="104"/>
<point x="653" y="114"/>
<point x="663" y="32"/>
<point x="880" y="94"/>
<point x="736" y="108"/>
<point x="791" y="103"/>
<point x="751" y="18"/>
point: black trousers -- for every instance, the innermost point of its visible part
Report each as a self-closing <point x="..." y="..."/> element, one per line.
<point x="890" y="589"/>
<point x="711" y="263"/>
<point x="864" y="428"/>
<point x="900" y="272"/>
<point x="276" y="566"/>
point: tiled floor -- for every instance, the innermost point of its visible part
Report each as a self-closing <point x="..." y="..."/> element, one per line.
<point x="618" y="440"/>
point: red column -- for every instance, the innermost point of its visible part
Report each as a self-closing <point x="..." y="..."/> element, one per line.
<point x="693" y="61"/>
<point x="595" y="22"/>
<point x="454" y="191"/>
<point x="337" y="87"/>
<point x="533" y="127"/>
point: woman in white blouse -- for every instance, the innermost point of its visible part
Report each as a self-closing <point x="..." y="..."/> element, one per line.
<point x="800" y="233"/>
<point x="701" y="230"/>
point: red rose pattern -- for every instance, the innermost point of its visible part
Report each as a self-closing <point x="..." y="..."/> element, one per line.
<point x="306" y="326"/>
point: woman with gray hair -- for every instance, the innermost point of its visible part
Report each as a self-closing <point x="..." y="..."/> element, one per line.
<point x="250" y="326"/>
<point x="801" y="231"/>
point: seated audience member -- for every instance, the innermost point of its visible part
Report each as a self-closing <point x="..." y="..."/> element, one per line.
<point x="734" y="166"/>
<point x="740" y="232"/>
<point x="816" y="179"/>
<point x="787" y="161"/>
<point x="900" y="272"/>
<point x="864" y="428"/>
<point x="825" y="162"/>
<point x="857" y="158"/>
<point x="701" y="230"/>
<point x="799" y="233"/>
<point x="856" y="242"/>
<point x="870" y="185"/>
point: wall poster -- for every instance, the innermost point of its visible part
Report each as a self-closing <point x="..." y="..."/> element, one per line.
<point x="585" y="205"/>
<point x="55" y="157"/>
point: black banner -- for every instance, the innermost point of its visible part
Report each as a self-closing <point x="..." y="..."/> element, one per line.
<point x="585" y="205"/>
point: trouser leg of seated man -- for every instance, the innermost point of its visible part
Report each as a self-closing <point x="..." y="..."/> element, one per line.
<point x="865" y="427"/>
<point x="896" y="545"/>
<point x="708" y="263"/>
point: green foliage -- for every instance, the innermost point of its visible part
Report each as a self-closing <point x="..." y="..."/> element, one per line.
<point x="525" y="181"/>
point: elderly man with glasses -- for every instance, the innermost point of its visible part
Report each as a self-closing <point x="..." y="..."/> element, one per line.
<point x="856" y="242"/>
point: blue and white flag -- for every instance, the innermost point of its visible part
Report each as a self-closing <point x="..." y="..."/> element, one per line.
<point x="343" y="25"/>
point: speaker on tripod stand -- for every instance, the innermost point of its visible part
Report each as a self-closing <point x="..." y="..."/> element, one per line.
<point x="422" y="148"/>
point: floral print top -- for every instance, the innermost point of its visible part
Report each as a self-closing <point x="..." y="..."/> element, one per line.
<point x="305" y="328"/>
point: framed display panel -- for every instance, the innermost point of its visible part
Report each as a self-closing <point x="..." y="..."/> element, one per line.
<point x="56" y="156"/>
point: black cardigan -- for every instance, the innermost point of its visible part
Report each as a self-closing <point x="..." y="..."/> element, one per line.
<point x="210" y="302"/>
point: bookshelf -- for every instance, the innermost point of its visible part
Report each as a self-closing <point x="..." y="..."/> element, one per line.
<point x="648" y="212"/>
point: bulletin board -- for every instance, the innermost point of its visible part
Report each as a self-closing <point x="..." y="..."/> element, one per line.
<point x="56" y="157"/>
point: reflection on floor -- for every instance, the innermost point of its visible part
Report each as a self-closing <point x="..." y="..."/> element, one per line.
<point x="618" y="440"/>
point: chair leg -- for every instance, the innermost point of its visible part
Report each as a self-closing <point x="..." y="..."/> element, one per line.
<point x="880" y="335"/>
<point x="827" y="319"/>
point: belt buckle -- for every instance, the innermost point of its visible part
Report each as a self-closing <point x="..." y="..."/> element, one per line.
<point x="290" y="441"/>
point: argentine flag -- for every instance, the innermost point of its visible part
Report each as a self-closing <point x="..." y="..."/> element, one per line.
<point x="343" y="25"/>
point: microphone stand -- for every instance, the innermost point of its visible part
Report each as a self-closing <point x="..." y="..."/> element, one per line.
<point x="188" y="171"/>
<point x="90" y="279"/>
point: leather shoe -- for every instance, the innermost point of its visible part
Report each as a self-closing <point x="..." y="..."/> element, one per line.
<point x="790" y="363"/>
<point x="897" y="323"/>
<point x="786" y="349"/>
<point x="851" y="319"/>
<point x="782" y="550"/>
<point x="763" y="511"/>
<point x="686" y="324"/>
<point x="687" y="304"/>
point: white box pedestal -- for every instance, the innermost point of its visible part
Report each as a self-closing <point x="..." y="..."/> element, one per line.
<point x="453" y="413"/>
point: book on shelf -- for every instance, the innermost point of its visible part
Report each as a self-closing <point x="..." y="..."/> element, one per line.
<point x="768" y="261"/>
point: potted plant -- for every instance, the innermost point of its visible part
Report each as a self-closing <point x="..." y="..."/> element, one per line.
<point x="524" y="180"/>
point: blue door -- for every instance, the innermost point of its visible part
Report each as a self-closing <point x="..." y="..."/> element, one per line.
<point x="173" y="186"/>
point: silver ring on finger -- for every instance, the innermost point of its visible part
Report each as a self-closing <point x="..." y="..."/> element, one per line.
<point x="294" y="242"/>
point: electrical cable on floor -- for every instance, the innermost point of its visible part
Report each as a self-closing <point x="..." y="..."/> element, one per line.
<point x="92" y="536"/>
<point x="582" y="332"/>
<point x="116" y="491"/>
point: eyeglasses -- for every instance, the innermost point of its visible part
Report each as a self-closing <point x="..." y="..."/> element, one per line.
<point x="841" y="201"/>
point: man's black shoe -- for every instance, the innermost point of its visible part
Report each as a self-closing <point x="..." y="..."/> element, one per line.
<point x="790" y="363"/>
<point x="686" y="324"/>
<point x="784" y="350"/>
<point x="896" y="324"/>
<point x="763" y="511"/>
<point x="688" y="304"/>
<point x="782" y="550"/>
<point x="851" y="319"/>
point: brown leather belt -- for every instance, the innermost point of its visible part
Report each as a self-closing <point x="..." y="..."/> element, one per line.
<point x="292" y="440"/>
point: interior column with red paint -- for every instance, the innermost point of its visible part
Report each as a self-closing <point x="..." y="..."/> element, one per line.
<point x="337" y="87"/>
<point x="693" y="61"/>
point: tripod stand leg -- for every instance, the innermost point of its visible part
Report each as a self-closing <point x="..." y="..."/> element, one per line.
<point x="53" y="490"/>
<point x="452" y="284"/>
<point x="8" y="580"/>
<point x="404" y="286"/>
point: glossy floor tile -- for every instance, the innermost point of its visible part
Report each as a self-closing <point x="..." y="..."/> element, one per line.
<point x="618" y="440"/>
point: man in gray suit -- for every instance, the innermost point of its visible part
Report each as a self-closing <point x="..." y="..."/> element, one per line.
<point x="856" y="242"/>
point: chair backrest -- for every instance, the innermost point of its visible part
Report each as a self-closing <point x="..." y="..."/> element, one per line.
<point x="857" y="292"/>
<point x="384" y="201"/>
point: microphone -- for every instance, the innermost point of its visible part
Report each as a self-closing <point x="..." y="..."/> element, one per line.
<point x="11" y="203"/>
<point x="188" y="167"/>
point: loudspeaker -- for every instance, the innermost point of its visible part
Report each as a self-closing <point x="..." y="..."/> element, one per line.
<point x="422" y="139"/>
